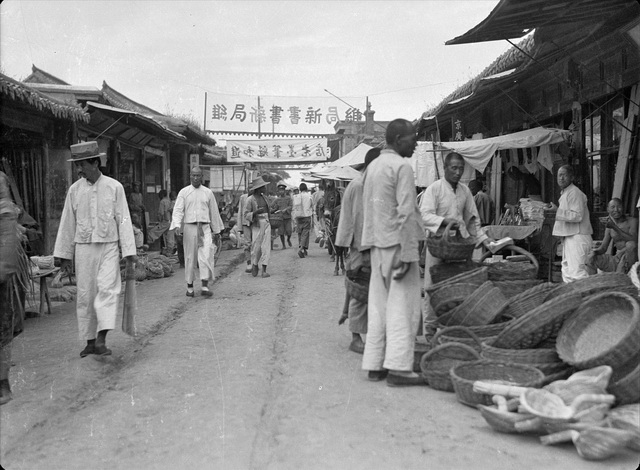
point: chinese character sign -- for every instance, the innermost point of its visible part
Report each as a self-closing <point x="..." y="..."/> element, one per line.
<point x="299" y="115"/>
<point x="277" y="150"/>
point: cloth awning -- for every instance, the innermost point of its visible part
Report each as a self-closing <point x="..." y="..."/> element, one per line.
<point x="344" y="173"/>
<point x="355" y="157"/>
<point x="478" y="153"/>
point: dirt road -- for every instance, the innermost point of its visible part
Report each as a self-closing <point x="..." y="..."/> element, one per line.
<point x="257" y="377"/>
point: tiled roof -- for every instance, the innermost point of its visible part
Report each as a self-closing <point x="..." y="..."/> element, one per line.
<point x="17" y="91"/>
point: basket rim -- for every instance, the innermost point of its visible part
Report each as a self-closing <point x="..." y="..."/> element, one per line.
<point x="581" y="319"/>
<point x="471" y="274"/>
<point x="544" y="315"/>
<point x="455" y="370"/>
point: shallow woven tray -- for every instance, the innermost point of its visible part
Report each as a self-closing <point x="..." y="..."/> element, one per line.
<point x="605" y="330"/>
<point x="486" y="332"/>
<point x="436" y="364"/>
<point x="450" y="296"/>
<point x="525" y="301"/>
<point x="539" y="324"/>
<point x="595" y="284"/>
<point x="520" y="356"/>
<point x="464" y="375"/>
<point x="483" y="306"/>
<point x="475" y="276"/>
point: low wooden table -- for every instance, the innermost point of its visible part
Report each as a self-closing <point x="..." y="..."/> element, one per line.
<point x="44" y="289"/>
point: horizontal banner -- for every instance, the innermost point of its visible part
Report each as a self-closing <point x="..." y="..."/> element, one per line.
<point x="273" y="114"/>
<point x="277" y="150"/>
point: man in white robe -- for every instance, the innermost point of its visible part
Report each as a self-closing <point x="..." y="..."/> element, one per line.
<point x="573" y="226"/>
<point x="447" y="201"/>
<point x="95" y="221"/>
<point x="196" y="210"/>
<point x="392" y="230"/>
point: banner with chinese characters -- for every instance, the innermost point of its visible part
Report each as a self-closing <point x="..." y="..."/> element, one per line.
<point x="274" y="114"/>
<point x="277" y="150"/>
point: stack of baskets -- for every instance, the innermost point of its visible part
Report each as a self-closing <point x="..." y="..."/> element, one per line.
<point x="513" y="278"/>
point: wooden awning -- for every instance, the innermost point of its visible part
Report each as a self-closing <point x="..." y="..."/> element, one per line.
<point x="515" y="18"/>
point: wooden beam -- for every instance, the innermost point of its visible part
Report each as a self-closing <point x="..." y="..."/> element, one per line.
<point x="626" y="138"/>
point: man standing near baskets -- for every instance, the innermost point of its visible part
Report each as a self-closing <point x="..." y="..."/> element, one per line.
<point x="95" y="225"/>
<point x="573" y="226"/>
<point x="444" y="203"/>
<point x="392" y="230"/>
<point x="358" y="263"/>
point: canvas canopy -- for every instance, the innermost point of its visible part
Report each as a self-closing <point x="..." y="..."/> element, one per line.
<point x="478" y="153"/>
<point x="345" y="173"/>
<point x="355" y="157"/>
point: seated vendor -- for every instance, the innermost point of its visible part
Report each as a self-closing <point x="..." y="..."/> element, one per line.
<point x="623" y="232"/>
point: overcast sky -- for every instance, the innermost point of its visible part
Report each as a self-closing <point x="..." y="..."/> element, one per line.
<point x="166" y="54"/>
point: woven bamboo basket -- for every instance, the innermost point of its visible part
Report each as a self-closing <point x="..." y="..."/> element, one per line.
<point x="483" y="306"/>
<point x="447" y="247"/>
<point x="458" y="334"/>
<point x="464" y="375"/>
<point x="560" y="375"/>
<point x="529" y="299"/>
<point x="476" y="276"/>
<point x="605" y="330"/>
<point x="627" y="389"/>
<point x="436" y="364"/>
<point x="595" y="284"/>
<point x="484" y="332"/>
<point x="512" y="271"/>
<point x="443" y="271"/>
<point x="511" y="289"/>
<point x="357" y="291"/>
<point x="520" y="356"/>
<point x="539" y="324"/>
<point x="450" y="296"/>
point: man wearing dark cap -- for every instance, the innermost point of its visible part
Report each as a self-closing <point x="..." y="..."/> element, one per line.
<point x="95" y="222"/>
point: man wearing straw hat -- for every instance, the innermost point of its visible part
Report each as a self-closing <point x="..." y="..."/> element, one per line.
<point x="95" y="222"/>
<point x="281" y="208"/>
<point x="258" y="209"/>
<point x="196" y="209"/>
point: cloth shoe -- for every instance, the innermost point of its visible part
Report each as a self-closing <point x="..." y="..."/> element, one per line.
<point x="301" y="253"/>
<point x="102" y="351"/>
<point x="357" y="346"/>
<point x="254" y="270"/>
<point x="89" y="349"/>
<point x="190" y="293"/>
<point x="5" y="392"/>
<point x="394" y="380"/>
<point x="206" y="292"/>
<point x="378" y="375"/>
<point x="266" y="275"/>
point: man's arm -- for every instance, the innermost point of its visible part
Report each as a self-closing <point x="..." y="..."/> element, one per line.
<point x="627" y="236"/>
<point x="178" y="214"/>
<point x="65" y="241"/>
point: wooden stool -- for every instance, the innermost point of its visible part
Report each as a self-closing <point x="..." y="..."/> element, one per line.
<point x="44" y="289"/>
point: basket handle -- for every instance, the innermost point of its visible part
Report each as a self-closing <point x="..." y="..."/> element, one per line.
<point x="517" y="249"/>
<point x="429" y="354"/>
<point x="448" y="329"/>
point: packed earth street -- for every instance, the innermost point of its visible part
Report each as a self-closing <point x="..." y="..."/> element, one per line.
<point x="256" y="377"/>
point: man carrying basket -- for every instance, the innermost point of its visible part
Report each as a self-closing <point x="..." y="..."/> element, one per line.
<point x="446" y="203"/>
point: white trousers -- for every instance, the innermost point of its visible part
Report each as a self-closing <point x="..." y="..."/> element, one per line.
<point x="575" y="254"/>
<point x="261" y="242"/>
<point x="394" y="313"/>
<point x="98" y="284"/>
<point x="203" y="254"/>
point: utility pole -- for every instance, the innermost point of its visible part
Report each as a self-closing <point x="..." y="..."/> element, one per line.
<point x="205" y="111"/>
<point x="258" y="117"/>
